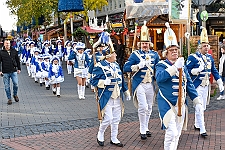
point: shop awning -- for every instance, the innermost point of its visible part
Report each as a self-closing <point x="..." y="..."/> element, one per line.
<point x="91" y="30"/>
<point x="53" y="31"/>
<point x="145" y="9"/>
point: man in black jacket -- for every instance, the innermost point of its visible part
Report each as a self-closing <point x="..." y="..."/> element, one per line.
<point x="9" y="68"/>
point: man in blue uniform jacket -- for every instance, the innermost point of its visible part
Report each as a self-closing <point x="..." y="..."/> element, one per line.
<point x="142" y="63"/>
<point x="167" y="78"/>
<point x="109" y="80"/>
<point x="200" y="65"/>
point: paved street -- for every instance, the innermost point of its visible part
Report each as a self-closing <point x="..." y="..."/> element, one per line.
<point x="42" y="121"/>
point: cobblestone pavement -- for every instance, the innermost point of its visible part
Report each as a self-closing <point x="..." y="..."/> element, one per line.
<point x="41" y="114"/>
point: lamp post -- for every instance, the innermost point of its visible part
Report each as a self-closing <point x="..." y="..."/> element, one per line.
<point x="63" y="16"/>
<point x="71" y="25"/>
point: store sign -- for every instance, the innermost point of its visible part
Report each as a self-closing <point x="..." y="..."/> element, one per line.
<point x="146" y="8"/>
<point x="179" y="11"/>
<point x="204" y="16"/>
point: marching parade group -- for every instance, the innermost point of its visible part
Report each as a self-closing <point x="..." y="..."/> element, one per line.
<point x="174" y="79"/>
<point x="44" y="65"/>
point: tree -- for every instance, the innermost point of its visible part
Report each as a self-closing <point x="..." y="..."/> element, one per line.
<point x="28" y="9"/>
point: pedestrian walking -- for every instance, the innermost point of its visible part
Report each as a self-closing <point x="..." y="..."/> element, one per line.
<point x="120" y="52"/>
<point x="168" y="78"/>
<point x="222" y="69"/>
<point x="108" y="78"/>
<point x="10" y="68"/>
<point x="142" y="62"/>
<point x="200" y="66"/>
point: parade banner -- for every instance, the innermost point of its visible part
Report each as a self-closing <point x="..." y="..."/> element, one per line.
<point x="146" y="8"/>
<point x="70" y="5"/>
<point x="179" y="11"/>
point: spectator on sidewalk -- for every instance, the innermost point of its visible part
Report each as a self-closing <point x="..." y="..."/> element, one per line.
<point x="120" y="51"/>
<point x="222" y="69"/>
<point x="9" y="68"/>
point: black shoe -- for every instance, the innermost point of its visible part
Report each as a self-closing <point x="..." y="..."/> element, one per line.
<point x="48" y="88"/>
<point x="54" y="92"/>
<point x="16" y="98"/>
<point x="148" y="133"/>
<point x="100" y="143"/>
<point x="196" y="128"/>
<point x="204" y="135"/>
<point x="143" y="136"/>
<point x="9" y="102"/>
<point x="117" y="144"/>
<point x="58" y="96"/>
<point x="36" y="81"/>
<point x="40" y="84"/>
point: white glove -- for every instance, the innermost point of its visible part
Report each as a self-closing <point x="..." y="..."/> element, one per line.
<point x="179" y="63"/>
<point x="200" y="68"/>
<point x="107" y="81"/>
<point x="141" y="64"/>
<point x="220" y="84"/>
<point x="128" y="98"/>
<point x="148" y="63"/>
<point x="199" y="107"/>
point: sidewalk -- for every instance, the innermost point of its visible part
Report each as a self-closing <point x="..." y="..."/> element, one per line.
<point x="85" y="139"/>
<point x="42" y="121"/>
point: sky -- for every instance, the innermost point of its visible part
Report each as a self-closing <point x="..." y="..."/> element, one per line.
<point x="7" y="21"/>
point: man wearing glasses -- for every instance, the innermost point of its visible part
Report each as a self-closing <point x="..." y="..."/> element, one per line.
<point x="9" y="68"/>
<point x="171" y="103"/>
<point x="200" y="65"/>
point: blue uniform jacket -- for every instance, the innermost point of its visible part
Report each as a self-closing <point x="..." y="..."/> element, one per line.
<point x="134" y="60"/>
<point x="73" y="55"/>
<point x="44" y="50"/>
<point x="45" y="67"/>
<point x="97" y="57"/>
<point x="193" y="62"/>
<point x="167" y="78"/>
<point x="100" y="71"/>
<point x="51" y="73"/>
<point x="60" y="52"/>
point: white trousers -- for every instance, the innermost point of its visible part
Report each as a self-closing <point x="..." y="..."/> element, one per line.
<point x="199" y="116"/>
<point x="145" y="94"/>
<point x="112" y="116"/>
<point x="173" y="131"/>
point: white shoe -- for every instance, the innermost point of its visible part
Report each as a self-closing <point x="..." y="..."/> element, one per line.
<point x="221" y="97"/>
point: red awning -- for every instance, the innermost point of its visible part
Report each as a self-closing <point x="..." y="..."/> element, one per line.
<point x="89" y="30"/>
<point x="42" y="32"/>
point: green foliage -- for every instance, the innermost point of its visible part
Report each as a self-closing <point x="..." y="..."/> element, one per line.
<point x="80" y="32"/>
<point x="91" y="5"/>
<point x="28" y="9"/>
<point x="185" y="50"/>
<point x="214" y="93"/>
